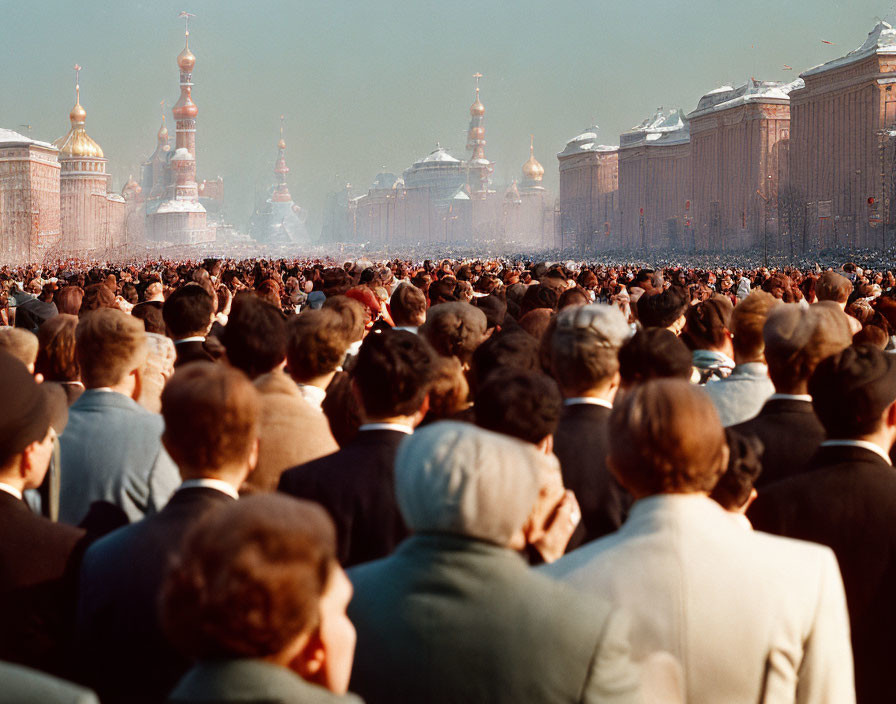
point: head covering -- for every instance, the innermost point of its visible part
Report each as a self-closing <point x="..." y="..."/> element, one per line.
<point x="853" y="388"/>
<point x="606" y="323"/>
<point x="660" y="310"/>
<point x="316" y="300"/>
<point x="27" y="409"/>
<point x="791" y="328"/>
<point x="456" y="478"/>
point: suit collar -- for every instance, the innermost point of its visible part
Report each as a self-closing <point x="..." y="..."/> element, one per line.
<point x="13" y="503"/>
<point x="843" y="454"/>
<point x="660" y="510"/>
<point x="786" y="405"/>
<point x="458" y="544"/>
<point x="185" y="496"/>
<point x="95" y="398"/>
<point x="587" y="401"/>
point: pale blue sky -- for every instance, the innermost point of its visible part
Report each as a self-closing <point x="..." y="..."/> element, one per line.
<point x="371" y="84"/>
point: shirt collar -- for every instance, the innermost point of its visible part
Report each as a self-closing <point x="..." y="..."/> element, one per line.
<point x="195" y="338"/>
<point x="870" y="446"/>
<point x="9" y="489"/>
<point x="790" y="397"/>
<point x="208" y="483"/>
<point x="314" y="395"/>
<point x="587" y="400"/>
<point x="398" y="427"/>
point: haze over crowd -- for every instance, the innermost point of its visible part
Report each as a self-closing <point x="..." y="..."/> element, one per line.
<point x="371" y="85"/>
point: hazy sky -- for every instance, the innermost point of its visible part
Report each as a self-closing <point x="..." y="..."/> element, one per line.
<point x="366" y="85"/>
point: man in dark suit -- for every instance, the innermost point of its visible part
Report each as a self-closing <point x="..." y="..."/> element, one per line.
<point x="211" y="428"/>
<point x="392" y="377"/>
<point x="585" y="362"/>
<point x="189" y="313"/>
<point x="38" y="558"/>
<point x="796" y="340"/>
<point x="455" y="614"/>
<point x="847" y="501"/>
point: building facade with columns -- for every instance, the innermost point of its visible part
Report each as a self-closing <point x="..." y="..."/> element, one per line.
<point x="589" y="193"/>
<point x="654" y="182"/>
<point x="842" y="157"/>
<point x="29" y="198"/>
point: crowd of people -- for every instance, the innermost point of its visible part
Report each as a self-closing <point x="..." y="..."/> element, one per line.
<point x="458" y="480"/>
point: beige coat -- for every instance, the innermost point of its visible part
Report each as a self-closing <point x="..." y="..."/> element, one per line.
<point x="292" y="431"/>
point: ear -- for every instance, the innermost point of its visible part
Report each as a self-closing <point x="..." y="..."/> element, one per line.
<point x="253" y="455"/>
<point x="138" y="383"/>
<point x="421" y="413"/>
<point x="547" y="444"/>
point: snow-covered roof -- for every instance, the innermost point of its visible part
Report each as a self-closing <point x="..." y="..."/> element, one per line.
<point x="661" y="128"/>
<point x="182" y="154"/>
<point x="180" y="206"/>
<point x="8" y="137"/>
<point x="438" y="155"/>
<point x="752" y="91"/>
<point x="586" y="142"/>
<point x="881" y="40"/>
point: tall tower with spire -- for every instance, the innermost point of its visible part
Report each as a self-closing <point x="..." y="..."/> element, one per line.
<point x="479" y="168"/>
<point x="82" y="181"/>
<point x="179" y="218"/>
<point x="279" y="220"/>
<point x="185" y="111"/>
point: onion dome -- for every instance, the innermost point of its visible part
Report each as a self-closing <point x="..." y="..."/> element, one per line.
<point x="532" y="170"/>
<point x="131" y="187"/>
<point x="77" y="143"/>
<point x="477" y="109"/>
<point x="185" y="59"/>
<point x="281" y="144"/>
<point x="162" y="136"/>
<point x="185" y="108"/>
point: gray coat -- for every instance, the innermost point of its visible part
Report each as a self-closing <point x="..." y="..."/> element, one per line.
<point x="22" y="685"/>
<point x="111" y="450"/>
<point x="454" y="619"/>
<point x="247" y="682"/>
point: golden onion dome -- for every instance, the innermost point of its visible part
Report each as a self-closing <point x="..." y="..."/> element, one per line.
<point x="477" y="109"/>
<point x="281" y="144"/>
<point x="185" y="59"/>
<point x="163" y="133"/>
<point x="77" y="142"/>
<point x="532" y="170"/>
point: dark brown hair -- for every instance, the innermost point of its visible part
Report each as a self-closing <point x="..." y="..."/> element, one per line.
<point x="211" y="414"/>
<point x="249" y="578"/>
<point x="316" y="343"/>
<point x="56" y="358"/>
<point x="666" y="437"/>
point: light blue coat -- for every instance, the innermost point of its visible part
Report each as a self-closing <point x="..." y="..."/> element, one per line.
<point x="112" y="451"/>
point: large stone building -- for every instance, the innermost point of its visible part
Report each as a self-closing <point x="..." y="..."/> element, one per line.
<point x="589" y="192"/>
<point x="739" y="149"/>
<point x="841" y="188"/>
<point x="29" y="198"/>
<point x="654" y="183"/>
<point x="442" y="199"/>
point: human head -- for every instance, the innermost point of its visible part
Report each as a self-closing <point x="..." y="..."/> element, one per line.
<point x="663" y="310"/>
<point x="255" y="336"/>
<point x="21" y="344"/>
<point x="189" y="312"/>
<point x="515" y="350"/>
<point x="110" y="347"/>
<point x="524" y="404"/>
<point x="56" y="359"/>
<point x="666" y="438"/>
<point x="853" y="392"/>
<point x="708" y="325"/>
<point x="353" y="315"/>
<point x="747" y="322"/>
<point x="797" y="339"/>
<point x="68" y="299"/>
<point x="392" y="374"/>
<point x="408" y="306"/>
<point x="833" y="287"/>
<point x="316" y="344"/>
<point x="585" y="348"/>
<point x="154" y="292"/>
<point x="150" y="312"/>
<point x="734" y="491"/>
<point x="653" y="353"/>
<point x="96" y="296"/>
<point x="26" y="434"/>
<point x="285" y="595"/>
<point x="211" y="414"/>
<point x="454" y="329"/>
<point x="458" y="479"/>
<point x="450" y="391"/>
